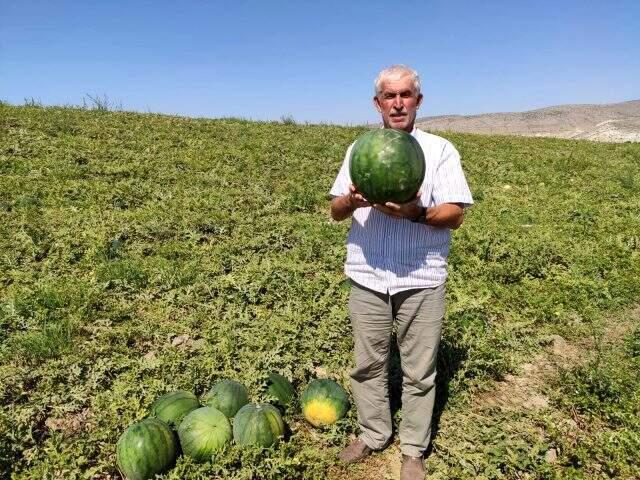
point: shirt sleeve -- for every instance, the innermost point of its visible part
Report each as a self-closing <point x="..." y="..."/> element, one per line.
<point x="343" y="180"/>
<point x="450" y="185"/>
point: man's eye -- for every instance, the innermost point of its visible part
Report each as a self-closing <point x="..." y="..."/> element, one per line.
<point x="406" y="94"/>
<point x="389" y="96"/>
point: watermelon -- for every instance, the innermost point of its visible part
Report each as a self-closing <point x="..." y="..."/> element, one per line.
<point x="281" y="389"/>
<point x="324" y="402"/>
<point x="387" y="165"/>
<point x="259" y="425"/>
<point x="228" y="396"/>
<point x="203" y="432"/>
<point x="173" y="407"/>
<point x="145" y="449"/>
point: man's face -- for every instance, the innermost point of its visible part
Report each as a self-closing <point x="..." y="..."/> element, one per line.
<point x="398" y="103"/>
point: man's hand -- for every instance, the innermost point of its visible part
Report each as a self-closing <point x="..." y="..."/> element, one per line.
<point x="342" y="207"/>
<point x="356" y="200"/>
<point x="409" y="210"/>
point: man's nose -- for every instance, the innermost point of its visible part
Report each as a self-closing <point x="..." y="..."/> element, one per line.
<point x="397" y="102"/>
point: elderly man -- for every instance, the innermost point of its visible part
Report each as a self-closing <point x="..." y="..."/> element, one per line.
<point x="397" y="264"/>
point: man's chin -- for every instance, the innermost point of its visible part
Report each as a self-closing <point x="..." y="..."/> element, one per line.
<point x="399" y="124"/>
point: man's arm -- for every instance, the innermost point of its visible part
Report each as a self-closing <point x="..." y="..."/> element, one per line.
<point x="445" y="215"/>
<point x="342" y="207"/>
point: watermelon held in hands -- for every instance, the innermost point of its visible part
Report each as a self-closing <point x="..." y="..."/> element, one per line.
<point x="259" y="425"/>
<point x="324" y="402"/>
<point x="173" y="407"/>
<point x="145" y="449"/>
<point x="203" y="432"/>
<point x="387" y="165"/>
<point x="228" y="396"/>
<point x="281" y="389"/>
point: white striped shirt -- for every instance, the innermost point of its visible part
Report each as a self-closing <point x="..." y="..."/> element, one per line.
<point x="390" y="255"/>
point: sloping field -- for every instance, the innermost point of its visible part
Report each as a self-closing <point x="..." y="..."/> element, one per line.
<point x="141" y="254"/>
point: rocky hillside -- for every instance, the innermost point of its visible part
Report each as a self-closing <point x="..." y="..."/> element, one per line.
<point x="616" y="122"/>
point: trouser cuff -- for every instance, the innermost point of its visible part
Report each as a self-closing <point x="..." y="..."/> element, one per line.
<point x="370" y="443"/>
<point x="412" y="451"/>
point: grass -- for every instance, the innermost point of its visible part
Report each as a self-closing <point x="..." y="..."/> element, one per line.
<point x="603" y="398"/>
<point x="120" y="231"/>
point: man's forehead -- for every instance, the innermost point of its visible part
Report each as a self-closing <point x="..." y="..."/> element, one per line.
<point x="397" y="84"/>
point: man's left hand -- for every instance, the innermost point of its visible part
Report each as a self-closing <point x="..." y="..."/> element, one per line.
<point x="409" y="210"/>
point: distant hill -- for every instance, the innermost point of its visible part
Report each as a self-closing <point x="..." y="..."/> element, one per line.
<point x="615" y="122"/>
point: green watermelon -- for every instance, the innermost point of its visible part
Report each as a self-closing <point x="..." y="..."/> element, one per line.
<point x="387" y="165"/>
<point x="203" y="432"/>
<point x="173" y="407"/>
<point x="228" y="396"/>
<point x="324" y="402"/>
<point x="145" y="449"/>
<point x="281" y="388"/>
<point x="259" y="425"/>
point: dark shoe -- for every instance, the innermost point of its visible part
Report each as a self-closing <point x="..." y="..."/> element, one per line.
<point x="412" y="468"/>
<point x="354" y="452"/>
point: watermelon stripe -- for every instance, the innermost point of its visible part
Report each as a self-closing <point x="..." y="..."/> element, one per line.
<point x="281" y="388"/>
<point x="203" y="432"/>
<point x="145" y="449"/>
<point x="173" y="407"/>
<point x="258" y="425"/>
<point x="228" y="396"/>
<point x="387" y="165"/>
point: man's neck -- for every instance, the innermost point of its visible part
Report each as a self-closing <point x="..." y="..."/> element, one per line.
<point x="410" y="129"/>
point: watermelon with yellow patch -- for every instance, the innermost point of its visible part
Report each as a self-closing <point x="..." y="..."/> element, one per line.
<point x="324" y="402"/>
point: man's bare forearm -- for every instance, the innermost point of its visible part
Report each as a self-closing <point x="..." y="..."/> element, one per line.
<point x="341" y="207"/>
<point x="445" y="215"/>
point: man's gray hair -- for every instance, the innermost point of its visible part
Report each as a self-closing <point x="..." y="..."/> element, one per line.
<point x="397" y="71"/>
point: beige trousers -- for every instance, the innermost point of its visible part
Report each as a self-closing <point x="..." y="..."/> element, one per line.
<point x="418" y="314"/>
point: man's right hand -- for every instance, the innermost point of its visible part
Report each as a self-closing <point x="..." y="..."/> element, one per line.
<point x="342" y="207"/>
<point x="356" y="200"/>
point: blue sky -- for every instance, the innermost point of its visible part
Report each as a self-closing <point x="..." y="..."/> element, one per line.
<point x="315" y="61"/>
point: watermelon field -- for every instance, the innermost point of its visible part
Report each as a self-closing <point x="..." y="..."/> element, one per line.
<point x="142" y="254"/>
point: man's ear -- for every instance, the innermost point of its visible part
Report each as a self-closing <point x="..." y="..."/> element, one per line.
<point x="376" y="103"/>
<point x="420" y="97"/>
